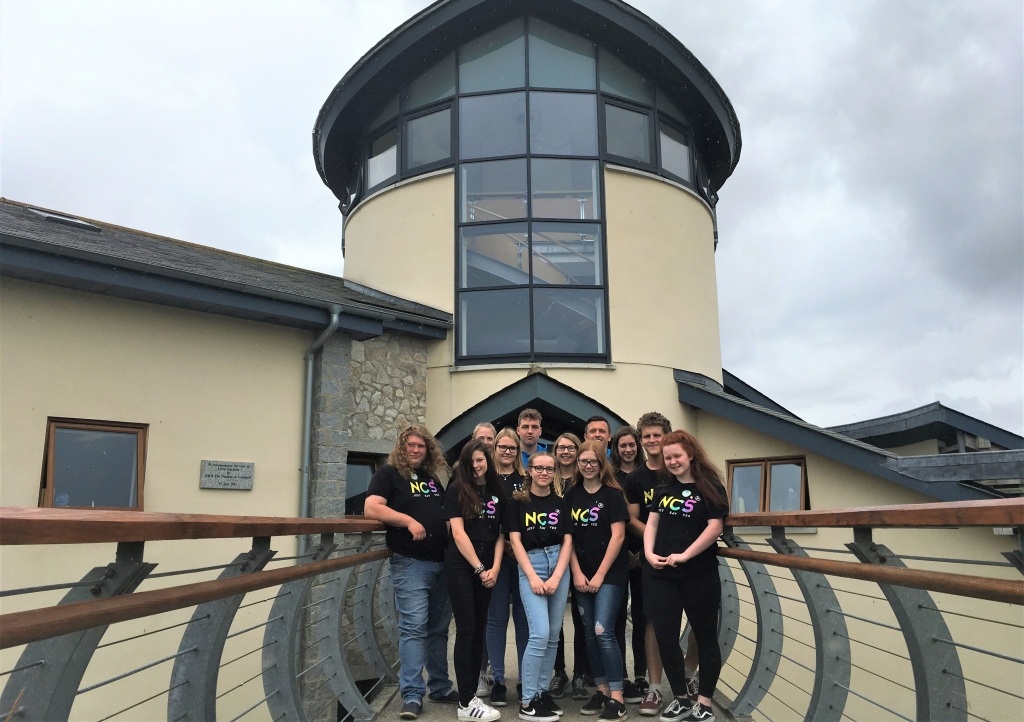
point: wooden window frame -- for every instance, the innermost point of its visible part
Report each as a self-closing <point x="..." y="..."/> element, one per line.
<point x="141" y="431"/>
<point x="766" y="478"/>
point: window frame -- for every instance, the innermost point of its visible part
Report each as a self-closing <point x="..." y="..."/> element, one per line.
<point x="652" y="135"/>
<point x="685" y="131"/>
<point x="404" y="170"/>
<point x="46" y="483"/>
<point x="765" y="465"/>
<point x="374" y="461"/>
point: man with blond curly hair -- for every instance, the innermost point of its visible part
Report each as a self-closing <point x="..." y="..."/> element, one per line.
<point x="406" y="494"/>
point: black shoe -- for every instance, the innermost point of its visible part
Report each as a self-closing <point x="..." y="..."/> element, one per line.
<point x="589" y="680"/>
<point x="550" y="704"/>
<point x="614" y="710"/>
<point x="642" y="685"/>
<point x="559" y="684"/>
<point x="631" y="694"/>
<point x="449" y="697"/>
<point x="678" y="709"/>
<point x="702" y="713"/>
<point x="533" y="711"/>
<point x="596" y="703"/>
<point x="498" y="695"/>
<point x="579" y="688"/>
<point x="411" y="710"/>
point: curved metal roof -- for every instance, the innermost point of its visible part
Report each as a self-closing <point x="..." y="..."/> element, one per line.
<point x="427" y="37"/>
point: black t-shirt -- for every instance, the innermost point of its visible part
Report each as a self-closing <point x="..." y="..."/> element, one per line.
<point x="683" y="515"/>
<point x="486" y="526"/>
<point x="511" y="482"/>
<point x="592" y="518"/>
<point x="543" y="522"/>
<point x="422" y="498"/>
<point x="639" y="488"/>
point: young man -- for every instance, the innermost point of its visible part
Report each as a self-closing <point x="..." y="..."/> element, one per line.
<point x="639" y="488"/>
<point x="529" y="431"/>
<point x="597" y="429"/>
<point x="406" y="494"/>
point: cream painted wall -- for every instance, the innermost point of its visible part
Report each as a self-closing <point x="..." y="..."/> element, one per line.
<point x="209" y="387"/>
<point x="402" y="241"/>
<point x="921" y="448"/>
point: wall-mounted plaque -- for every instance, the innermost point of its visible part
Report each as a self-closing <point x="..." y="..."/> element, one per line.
<point x="226" y="474"/>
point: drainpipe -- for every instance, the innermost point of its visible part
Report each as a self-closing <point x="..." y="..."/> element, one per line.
<point x="307" y="421"/>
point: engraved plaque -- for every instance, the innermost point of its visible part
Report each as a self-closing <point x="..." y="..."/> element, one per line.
<point x="226" y="474"/>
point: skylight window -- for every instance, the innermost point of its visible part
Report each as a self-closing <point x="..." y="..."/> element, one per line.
<point x="66" y="220"/>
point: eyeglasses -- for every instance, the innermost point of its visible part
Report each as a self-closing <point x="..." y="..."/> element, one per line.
<point x="589" y="462"/>
<point x="560" y="449"/>
<point x="507" y="449"/>
<point x="542" y="469"/>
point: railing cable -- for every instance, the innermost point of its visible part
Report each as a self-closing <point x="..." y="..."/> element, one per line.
<point x="51" y="587"/>
<point x="979" y="650"/>
<point x="136" y="670"/>
<point x="982" y="684"/>
<point x="18" y="669"/>
<point x="196" y="570"/>
<point x="848" y="615"/>
<point x="250" y="709"/>
<point x="971" y="616"/>
<point x="879" y="676"/>
<point x="876" y="704"/>
<point x="255" y="626"/>
<point x="263" y="601"/>
<point x="146" y="634"/>
<point x="242" y="684"/>
<point x="148" y="699"/>
<point x="307" y="670"/>
<point x="871" y="646"/>
<point x="222" y="665"/>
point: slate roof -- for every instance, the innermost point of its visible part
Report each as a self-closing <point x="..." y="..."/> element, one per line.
<point x="52" y="247"/>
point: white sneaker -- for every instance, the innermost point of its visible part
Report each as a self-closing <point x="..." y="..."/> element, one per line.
<point x="478" y="711"/>
<point x="483" y="686"/>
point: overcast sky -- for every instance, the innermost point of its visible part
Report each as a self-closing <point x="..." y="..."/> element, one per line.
<point x="871" y="255"/>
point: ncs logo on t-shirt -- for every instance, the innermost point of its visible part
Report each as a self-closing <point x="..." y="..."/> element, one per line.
<point x="490" y="508"/>
<point x="676" y="505"/>
<point x="540" y="518"/>
<point x="648" y="497"/>
<point x="424" y="488"/>
<point x="587" y="516"/>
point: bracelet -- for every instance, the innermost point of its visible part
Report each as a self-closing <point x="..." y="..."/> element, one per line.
<point x="479" y="570"/>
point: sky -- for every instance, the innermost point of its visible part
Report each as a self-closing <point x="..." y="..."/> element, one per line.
<point x="871" y="238"/>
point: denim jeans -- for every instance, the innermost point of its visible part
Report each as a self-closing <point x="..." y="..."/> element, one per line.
<point x="544" y="616"/>
<point x="600" y="610"/>
<point x="424" y="612"/>
<point x="504" y="591"/>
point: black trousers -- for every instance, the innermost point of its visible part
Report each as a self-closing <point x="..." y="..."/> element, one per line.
<point x="700" y="597"/>
<point x="470" y="599"/>
<point x="636" y="613"/>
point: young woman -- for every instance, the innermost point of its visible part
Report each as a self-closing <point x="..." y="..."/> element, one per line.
<point x="539" y="529"/>
<point x="508" y="465"/>
<point x="680" y="542"/>
<point x="600" y="568"/>
<point x="627" y="453"/>
<point x="566" y="447"/>
<point x="473" y="503"/>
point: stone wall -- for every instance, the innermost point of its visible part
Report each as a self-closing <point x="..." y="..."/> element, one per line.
<point x="389" y="387"/>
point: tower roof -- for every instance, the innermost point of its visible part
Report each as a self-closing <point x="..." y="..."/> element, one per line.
<point x="437" y="30"/>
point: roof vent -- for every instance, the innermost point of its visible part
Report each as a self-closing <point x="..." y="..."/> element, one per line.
<point x="66" y="220"/>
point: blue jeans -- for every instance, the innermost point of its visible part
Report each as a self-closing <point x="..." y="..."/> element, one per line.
<point x="544" y="616"/>
<point x="599" y="611"/>
<point x="505" y="589"/>
<point x="424" y="612"/>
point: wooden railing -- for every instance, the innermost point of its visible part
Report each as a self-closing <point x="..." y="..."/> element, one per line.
<point x="926" y="623"/>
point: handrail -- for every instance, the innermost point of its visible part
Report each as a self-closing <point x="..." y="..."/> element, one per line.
<point x="77" y="526"/>
<point x="995" y="590"/>
<point x="23" y="627"/>
<point x="998" y="512"/>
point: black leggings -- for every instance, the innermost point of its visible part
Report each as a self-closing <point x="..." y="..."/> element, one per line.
<point x="700" y="597"/>
<point x="469" y="608"/>
<point x="639" y="638"/>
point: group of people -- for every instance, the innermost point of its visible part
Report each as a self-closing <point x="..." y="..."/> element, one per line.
<point x="519" y="528"/>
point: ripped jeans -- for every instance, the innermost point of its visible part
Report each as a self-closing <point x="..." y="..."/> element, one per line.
<point x="599" y="610"/>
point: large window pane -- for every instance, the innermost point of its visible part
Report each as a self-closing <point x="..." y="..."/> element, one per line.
<point x="493" y="191"/>
<point x="94" y="468"/>
<point x="559" y="59"/>
<point x="628" y="133"/>
<point x="494" y="323"/>
<point x="565" y="188"/>
<point x="567" y="254"/>
<point x="563" y="123"/>
<point x="492" y="125"/>
<point x="746" y="489"/>
<point x="619" y="79"/>
<point x="785" y="487"/>
<point x="568" y="321"/>
<point x="428" y="139"/>
<point x="383" y="161"/>
<point x="388" y="112"/>
<point x="493" y="255"/>
<point x="675" y="153"/>
<point x="436" y="84"/>
<point x="494" y="61"/>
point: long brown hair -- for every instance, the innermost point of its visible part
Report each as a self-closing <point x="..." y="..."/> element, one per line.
<point x="523" y="494"/>
<point x="433" y="463"/>
<point x="464" y="484"/>
<point x="705" y="475"/>
<point x="605" y="472"/>
<point x="641" y="457"/>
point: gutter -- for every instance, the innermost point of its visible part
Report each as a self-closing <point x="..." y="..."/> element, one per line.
<point x="307" y="420"/>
